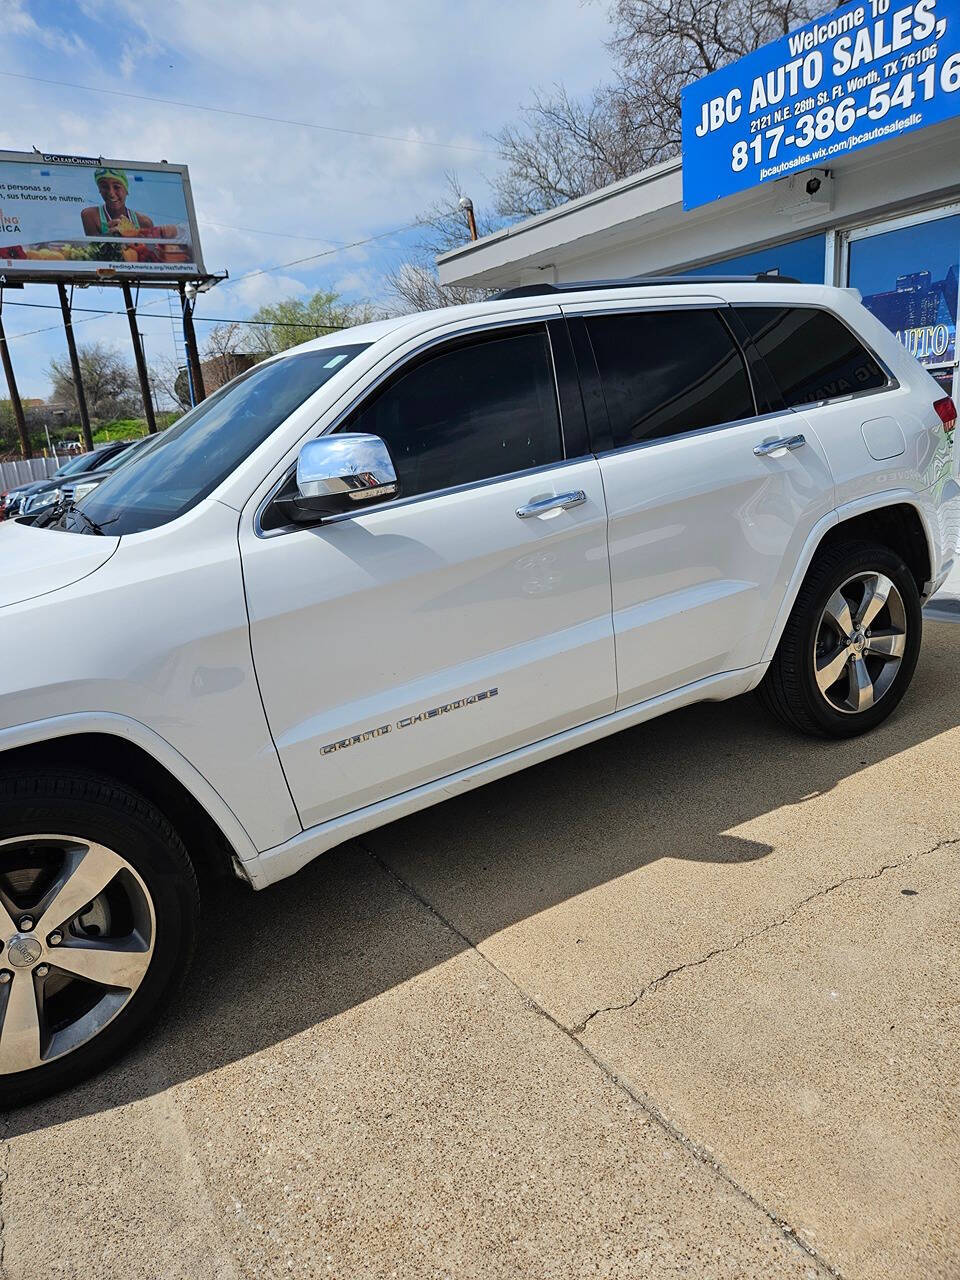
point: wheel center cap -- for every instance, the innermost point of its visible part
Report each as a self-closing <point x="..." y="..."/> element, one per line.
<point x="858" y="641"/>
<point x="24" y="950"/>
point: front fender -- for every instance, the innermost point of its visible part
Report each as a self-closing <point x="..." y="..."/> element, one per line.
<point x="118" y="726"/>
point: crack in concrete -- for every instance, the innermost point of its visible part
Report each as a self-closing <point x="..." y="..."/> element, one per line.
<point x="639" y="1099"/>
<point x="664" y="977"/>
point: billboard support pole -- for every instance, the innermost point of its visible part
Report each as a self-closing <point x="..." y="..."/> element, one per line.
<point x="75" y="366"/>
<point x="193" y="355"/>
<point x="141" y="364"/>
<point x="15" y="401"/>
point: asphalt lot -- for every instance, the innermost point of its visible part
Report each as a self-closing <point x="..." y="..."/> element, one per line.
<point x="682" y="1003"/>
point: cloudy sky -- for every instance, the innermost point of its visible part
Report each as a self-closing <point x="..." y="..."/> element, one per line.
<point x="422" y="71"/>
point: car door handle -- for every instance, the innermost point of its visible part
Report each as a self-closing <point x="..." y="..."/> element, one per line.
<point x="558" y="502"/>
<point x="776" y="446"/>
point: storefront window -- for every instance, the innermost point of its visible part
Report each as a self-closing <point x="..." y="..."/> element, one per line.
<point x="908" y="279"/>
<point x="802" y="259"/>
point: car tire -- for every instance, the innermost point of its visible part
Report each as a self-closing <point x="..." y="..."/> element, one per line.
<point x="850" y="646"/>
<point x="75" y="992"/>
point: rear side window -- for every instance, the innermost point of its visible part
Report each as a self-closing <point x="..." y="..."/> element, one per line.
<point x="667" y="372"/>
<point x="471" y="412"/>
<point x="811" y="355"/>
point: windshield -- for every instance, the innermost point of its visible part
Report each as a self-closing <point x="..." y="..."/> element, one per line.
<point x="75" y="464"/>
<point x="194" y="455"/>
<point x="126" y="455"/>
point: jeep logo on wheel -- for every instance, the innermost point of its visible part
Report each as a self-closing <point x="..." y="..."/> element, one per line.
<point x="24" y="951"/>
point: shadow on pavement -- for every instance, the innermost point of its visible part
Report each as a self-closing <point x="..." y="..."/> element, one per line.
<point x="272" y="964"/>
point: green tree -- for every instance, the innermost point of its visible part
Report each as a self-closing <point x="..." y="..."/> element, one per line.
<point x="9" y="441"/>
<point x="295" y="320"/>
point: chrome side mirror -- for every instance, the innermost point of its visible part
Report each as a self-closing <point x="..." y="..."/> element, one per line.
<point x="340" y="473"/>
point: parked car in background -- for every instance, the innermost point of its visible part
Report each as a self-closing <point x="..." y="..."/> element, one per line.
<point x="402" y="560"/>
<point x="13" y="500"/>
<point x="50" y="502"/>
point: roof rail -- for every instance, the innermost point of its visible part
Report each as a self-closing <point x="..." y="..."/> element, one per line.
<point x="579" y="286"/>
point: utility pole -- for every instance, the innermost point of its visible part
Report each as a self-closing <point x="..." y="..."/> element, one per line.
<point x="75" y="366"/>
<point x="194" y="370"/>
<point x="153" y="394"/>
<point x="138" y="359"/>
<point x="15" y="402"/>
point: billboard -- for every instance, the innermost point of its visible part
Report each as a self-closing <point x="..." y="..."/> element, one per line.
<point x="866" y="72"/>
<point x="77" y="217"/>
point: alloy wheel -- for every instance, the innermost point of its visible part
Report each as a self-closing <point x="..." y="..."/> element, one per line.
<point x="77" y="932"/>
<point x="860" y="642"/>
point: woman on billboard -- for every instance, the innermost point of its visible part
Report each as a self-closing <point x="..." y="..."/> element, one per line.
<point x="112" y="217"/>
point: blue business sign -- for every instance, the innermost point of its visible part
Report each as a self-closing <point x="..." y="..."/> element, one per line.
<point x="864" y="73"/>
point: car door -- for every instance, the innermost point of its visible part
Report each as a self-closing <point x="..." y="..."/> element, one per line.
<point x="704" y="530"/>
<point x="466" y="618"/>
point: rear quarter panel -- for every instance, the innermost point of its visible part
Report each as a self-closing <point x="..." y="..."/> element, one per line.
<point x="927" y="455"/>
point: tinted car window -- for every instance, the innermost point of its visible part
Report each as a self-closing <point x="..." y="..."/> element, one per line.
<point x="81" y="463"/>
<point x="811" y="355"/>
<point x="666" y="372"/>
<point x="468" y="413"/>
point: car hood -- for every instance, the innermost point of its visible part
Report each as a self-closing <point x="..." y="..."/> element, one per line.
<point x="21" y="489"/>
<point x="36" y="561"/>
<point x="42" y="486"/>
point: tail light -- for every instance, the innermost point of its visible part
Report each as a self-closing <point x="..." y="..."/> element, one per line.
<point x="947" y="412"/>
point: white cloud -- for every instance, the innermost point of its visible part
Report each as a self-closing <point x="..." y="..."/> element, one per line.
<point x="354" y="282"/>
<point x="18" y="21"/>
<point x="256" y="291"/>
<point x="134" y="52"/>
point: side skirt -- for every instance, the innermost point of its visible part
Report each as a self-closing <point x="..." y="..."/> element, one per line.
<point x="285" y="859"/>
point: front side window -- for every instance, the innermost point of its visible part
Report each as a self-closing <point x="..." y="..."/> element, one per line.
<point x="471" y="412"/>
<point x="668" y="372"/>
<point x="811" y="355"/>
<point x="194" y="455"/>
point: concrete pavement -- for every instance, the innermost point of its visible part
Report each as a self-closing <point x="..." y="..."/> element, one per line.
<point x="682" y="1003"/>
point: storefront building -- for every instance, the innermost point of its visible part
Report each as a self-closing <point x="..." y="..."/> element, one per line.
<point x="879" y="214"/>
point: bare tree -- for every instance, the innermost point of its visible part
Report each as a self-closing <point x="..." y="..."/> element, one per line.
<point x="227" y="350"/>
<point x="228" y="339"/>
<point x="416" y="287"/>
<point x="109" y="383"/>
<point x="414" y="283"/>
<point x="562" y="148"/>
<point x="169" y="385"/>
<point x="661" y="46"/>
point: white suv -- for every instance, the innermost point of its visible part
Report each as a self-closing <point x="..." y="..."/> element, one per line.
<point x="397" y="562"/>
